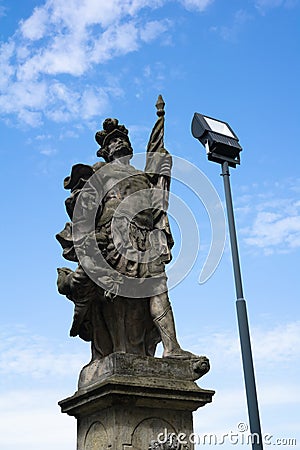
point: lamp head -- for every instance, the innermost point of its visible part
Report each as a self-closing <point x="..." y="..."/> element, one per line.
<point x="220" y="141"/>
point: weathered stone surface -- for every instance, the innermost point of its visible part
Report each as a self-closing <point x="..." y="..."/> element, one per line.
<point x="96" y="437"/>
<point x="121" y="364"/>
<point x="134" y="400"/>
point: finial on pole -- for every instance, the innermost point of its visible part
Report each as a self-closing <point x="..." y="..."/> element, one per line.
<point x="160" y="104"/>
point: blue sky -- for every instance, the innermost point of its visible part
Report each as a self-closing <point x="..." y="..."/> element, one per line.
<point x="65" y="67"/>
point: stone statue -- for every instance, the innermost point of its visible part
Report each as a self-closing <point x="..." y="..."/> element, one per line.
<point x="120" y="237"/>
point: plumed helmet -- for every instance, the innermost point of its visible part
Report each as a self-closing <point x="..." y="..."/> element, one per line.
<point x="111" y="129"/>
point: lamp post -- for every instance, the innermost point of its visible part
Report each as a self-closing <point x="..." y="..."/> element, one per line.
<point x="221" y="144"/>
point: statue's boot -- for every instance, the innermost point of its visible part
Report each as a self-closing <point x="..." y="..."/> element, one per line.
<point x="165" y="324"/>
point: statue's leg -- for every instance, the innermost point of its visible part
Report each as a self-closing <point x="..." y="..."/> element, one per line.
<point x="162" y="314"/>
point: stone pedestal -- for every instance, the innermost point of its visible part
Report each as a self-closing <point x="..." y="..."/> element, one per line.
<point x="125" y="401"/>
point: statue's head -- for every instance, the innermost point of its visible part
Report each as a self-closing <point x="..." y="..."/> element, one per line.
<point x="113" y="140"/>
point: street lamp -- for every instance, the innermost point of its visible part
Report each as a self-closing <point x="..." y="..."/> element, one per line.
<point x="222" y="146"/>
<point x="218" y="138"/>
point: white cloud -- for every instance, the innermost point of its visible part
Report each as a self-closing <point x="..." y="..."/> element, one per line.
<point x="36" y="357"/>
<point x="3" y="10"/>
<point x="31" y="420"/>
<point x="69" y="39"/>
<point x="93" y="102"/>
<point x="264" y="5"/>
<point x="271" y="230"/>
<point x="269" y="3"/>
<point x="276" y="353"/>
<point x="280" y="343"/>
<point x="7" y="69"/>
<point x="272" y="217"/>
<point x="230" y="32"/>
<point x="35" y="27"/>
<point x="48" y="151"/>
<point x="116" y="40"/>
<point x="198" y="5"/>
<point x="154" y="29"/>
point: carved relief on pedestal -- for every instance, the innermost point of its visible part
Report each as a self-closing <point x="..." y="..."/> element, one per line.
<point x="147" y="431"/>
<point x="169" y="442"/>
<point x="96" y="437"/>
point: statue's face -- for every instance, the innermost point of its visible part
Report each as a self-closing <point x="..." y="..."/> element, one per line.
<point x="118" y="147"/>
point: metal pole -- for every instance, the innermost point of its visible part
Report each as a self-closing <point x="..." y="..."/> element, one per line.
<point x="242" y="318"/>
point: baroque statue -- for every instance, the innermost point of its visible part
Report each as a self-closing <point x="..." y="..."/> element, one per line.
<point x="119" y="235"/>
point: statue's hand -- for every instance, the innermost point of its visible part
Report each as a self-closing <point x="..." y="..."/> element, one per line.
<point x="112" y="288"/>
<point x="110" y="296"/>
<point x="166" y="165"/>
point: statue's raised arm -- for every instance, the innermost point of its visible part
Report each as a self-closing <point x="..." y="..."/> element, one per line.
<point x="159" y="160"/>
<point x="158" y="168"/>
